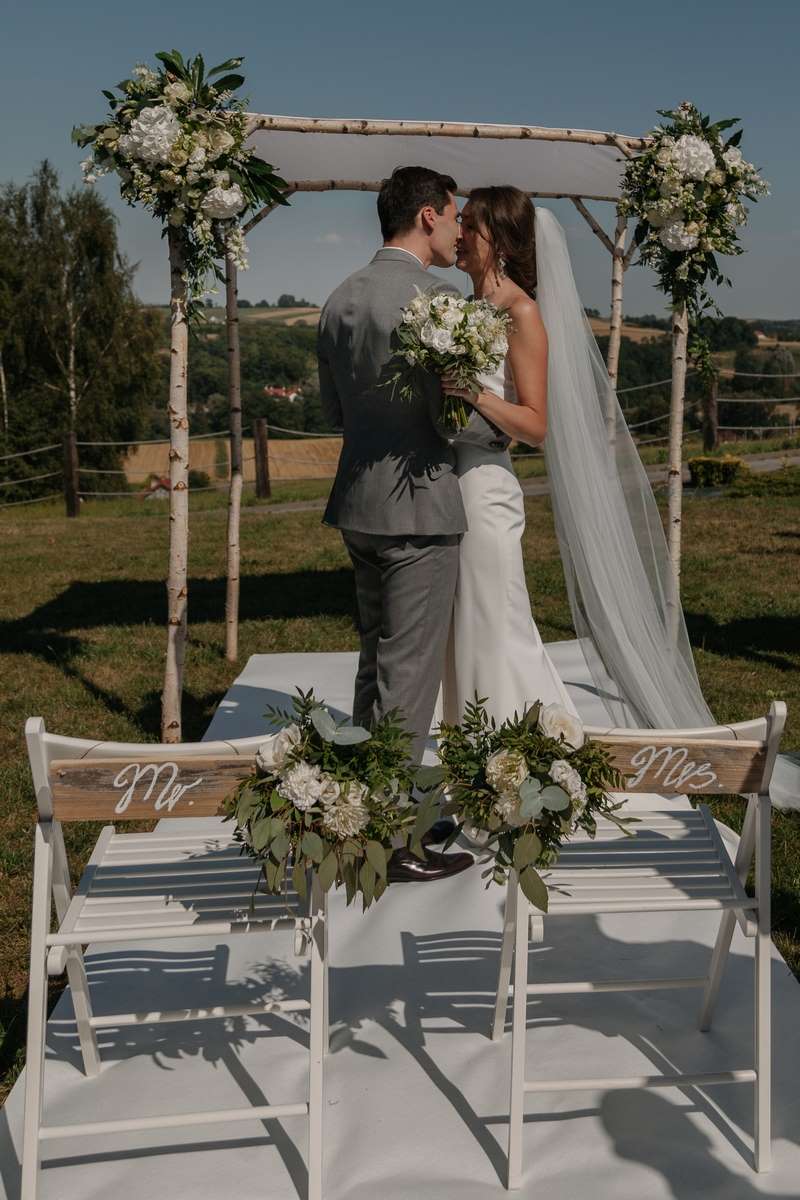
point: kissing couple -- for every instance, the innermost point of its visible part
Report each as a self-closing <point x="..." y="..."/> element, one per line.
<point x="433" y="519"/>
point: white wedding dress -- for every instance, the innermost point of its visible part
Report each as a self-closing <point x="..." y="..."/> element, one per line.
<point x="495" y="649"/>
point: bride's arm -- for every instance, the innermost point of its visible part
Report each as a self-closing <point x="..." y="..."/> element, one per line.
<point x="525" y="421"/>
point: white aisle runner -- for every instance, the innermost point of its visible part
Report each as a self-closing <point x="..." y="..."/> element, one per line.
<point x="416" y="1093"/>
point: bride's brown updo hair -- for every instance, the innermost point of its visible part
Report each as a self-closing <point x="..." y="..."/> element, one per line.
<point x="508" y="217"/>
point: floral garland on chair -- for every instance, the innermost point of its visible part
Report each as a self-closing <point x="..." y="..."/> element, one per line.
<point x="687" y="191"/>
<point x="176" y="140"/>
<point x="523" y="788"/>
<point x="328" y="798"/>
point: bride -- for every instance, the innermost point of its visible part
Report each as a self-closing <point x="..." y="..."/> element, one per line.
<point x="553" y="390"/>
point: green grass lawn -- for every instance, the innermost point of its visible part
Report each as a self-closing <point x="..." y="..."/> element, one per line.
<point x="82" y="606"/>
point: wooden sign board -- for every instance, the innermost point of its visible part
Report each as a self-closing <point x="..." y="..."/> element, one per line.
<point x="134" y="789"/>
<point x="667" y="766"/>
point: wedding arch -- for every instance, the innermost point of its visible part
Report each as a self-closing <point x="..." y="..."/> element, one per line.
<point x="184" y="147"/>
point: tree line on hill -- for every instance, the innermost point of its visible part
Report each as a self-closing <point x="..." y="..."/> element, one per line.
<point x="80" y="353"/>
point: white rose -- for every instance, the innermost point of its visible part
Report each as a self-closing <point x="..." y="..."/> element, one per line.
<point x="506" y="770"/>
<point x="197" y="158"/>
<point x="177" y="93"/>
<point x="219" y="142"/>
<point x="273" y="753"/>
<point x="733" y="158"/>
<point x="442" y="340"/>
<point x="428" y="333"/>
<point x="693" y="156"/>
<point x="507" y="806"/>
<point x="223" y="203"/>
<point x="555" y="721"/>
<point x="329" y="790"/>
<point x="302" y="784"/>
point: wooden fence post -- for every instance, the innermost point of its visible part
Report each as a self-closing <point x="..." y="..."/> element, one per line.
<point x="261" y="451"/>
<point x="710" y="416"/>
<point x="235" y="493"/>
<point x="71" y="484"/>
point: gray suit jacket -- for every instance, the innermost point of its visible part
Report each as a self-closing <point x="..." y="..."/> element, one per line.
<point x="395" y="474"/>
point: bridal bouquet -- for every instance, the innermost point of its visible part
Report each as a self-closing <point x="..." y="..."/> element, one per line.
<point x="326" y="797"/>
<point x="525" y="786"/>
<point x="450" y="335"/>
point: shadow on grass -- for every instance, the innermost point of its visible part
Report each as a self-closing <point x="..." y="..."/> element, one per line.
<point x="771" y="640"/>
<point x="52" y="631"/>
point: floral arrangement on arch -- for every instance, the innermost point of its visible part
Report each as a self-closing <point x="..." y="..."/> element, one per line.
<point x="445" y="333"/>
<point x="175" y="137"/>
<point x="687" y="191"/>
<point x="328" y="798"/>
<point x="522" y="788"/>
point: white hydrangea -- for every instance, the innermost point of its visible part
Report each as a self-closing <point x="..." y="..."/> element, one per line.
<point x="302" y="785"/>
<point x="152" y="135"/>
<point x="555" y="721"/>
<point x="693" y="156"/>
<point x="222" y="204"/>
<point x="677" y="236"/>
<point x="506" y="770"/>
<point x="348" y="814"/>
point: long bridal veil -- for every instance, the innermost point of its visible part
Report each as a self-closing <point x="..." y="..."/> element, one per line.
<point x="609" y="530"/>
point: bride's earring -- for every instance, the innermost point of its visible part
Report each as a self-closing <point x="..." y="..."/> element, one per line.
<point x="500" y="270"/>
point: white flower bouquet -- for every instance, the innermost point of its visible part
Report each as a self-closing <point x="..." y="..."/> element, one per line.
<point x="450" y="335"/>
<point x="329" y="798"/>
<point x="687" y="191"/>
<point x="523" y="787"/>
<point x="175" y="137"/>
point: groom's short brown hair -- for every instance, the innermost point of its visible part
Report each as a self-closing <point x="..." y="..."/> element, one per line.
<point x="407" y="191"/>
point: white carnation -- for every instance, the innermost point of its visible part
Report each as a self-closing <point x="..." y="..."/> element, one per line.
<point x="302" y="784"/>
<point x="273" y="753"/>
<point x="693" y="156"/>
<point x="555" y="721"/>
<point x="507" y="807"/>
<point x="152" y="135"/>
<point x="222" y="204"/>
<point x="506" y="770"/>
<point x="348" y="814"/>
<point x="676" y="236"/>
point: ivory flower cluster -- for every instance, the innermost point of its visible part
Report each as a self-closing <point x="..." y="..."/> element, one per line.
<point x="687" y="192"/>
<point x="176" y="141"/>
<point x="446" y="333"/>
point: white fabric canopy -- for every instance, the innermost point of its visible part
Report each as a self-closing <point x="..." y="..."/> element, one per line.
<point x="546" y="161"/>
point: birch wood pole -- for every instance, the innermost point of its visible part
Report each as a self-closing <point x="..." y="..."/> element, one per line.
<point x="235" y="493"/>
<point x="680" y="332"/>
<point x="177" y="577"/>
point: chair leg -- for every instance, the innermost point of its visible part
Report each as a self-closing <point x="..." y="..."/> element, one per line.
<point x="81" y="1002"/>
<point x="506" y="955"/>
<point x="518" y="1040"/>
<point x="37" y="1015"/>
<point x="317" y="1040"/>
<point x="763" y="969"/>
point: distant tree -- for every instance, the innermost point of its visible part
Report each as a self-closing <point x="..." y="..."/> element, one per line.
<point x="286" y="300"/>
<point x="263" y="304"/>
<point x="240" y="303"/>
<point x="728" y="333"/>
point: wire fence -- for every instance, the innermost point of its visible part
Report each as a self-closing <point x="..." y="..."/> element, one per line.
<point x="275" y="455"/>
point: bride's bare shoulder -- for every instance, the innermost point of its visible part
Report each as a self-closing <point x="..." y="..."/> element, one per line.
<point x="525" y="312"/>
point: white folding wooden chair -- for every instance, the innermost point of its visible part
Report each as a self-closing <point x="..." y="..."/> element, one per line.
<point x="676" y="861"/>
<point x="145" y="886"/>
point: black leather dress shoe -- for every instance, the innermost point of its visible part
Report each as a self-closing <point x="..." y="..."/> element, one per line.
<point x="405" y="867"/>
<point x="439" y="832"/>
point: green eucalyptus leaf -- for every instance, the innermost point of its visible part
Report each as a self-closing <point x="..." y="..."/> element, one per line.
<point x="376" y="857"/>
<point x="328" y="869"/>
<point x="526" y="850"/>
<point x="350" y="735"/>
<point x="277" y="801"/>
<point x="555" y="799"/>
<point x="313" y="845"/>
<point x="280" y="847"/>
<point x="324" y="723"/>
<point x="367" y="878"/>
<point x="534" y="888"/>
<point x="530" y="788"/>
<point x="260" y="832"/>
<point x="300" y="881"/>
<point x="429" y="777"/>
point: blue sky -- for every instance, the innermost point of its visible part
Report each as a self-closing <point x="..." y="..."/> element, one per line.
<point x="570" y="63"/>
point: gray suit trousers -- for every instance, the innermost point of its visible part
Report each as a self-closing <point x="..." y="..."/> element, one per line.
<point x="404" y="590"/>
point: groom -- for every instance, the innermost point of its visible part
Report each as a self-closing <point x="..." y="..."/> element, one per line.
<point x="396" y="498"/>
